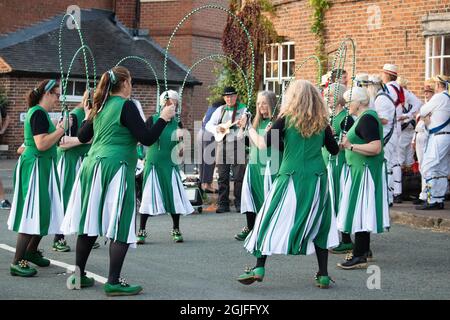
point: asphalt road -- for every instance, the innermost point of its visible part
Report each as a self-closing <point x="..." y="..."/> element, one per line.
<point x="413" y="264"/>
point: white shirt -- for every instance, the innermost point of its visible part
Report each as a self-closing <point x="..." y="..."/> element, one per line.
<point x="439" y="107"/>
<point x="386" y="110"/>
<point x="215" y="119"/>
<point x="412" y="103"/>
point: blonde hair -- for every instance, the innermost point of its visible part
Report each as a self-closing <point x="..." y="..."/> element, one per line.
<point x="305" y="108"/>
<point x="271" y="99"/>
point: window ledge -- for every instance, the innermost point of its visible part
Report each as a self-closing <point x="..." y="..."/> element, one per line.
<point x="436" y="24"/>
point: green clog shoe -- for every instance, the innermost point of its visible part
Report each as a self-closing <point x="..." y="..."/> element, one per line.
<point x="177" y="236"/>
<point x="252" y="275"/>
<point x="243" y="235"/>
<point x="37" y="258"/>
<point x="342" y="248"/>
<point x="22" y="269"/>
<point x="323" y="282"/>
<point x="121" y="289"/>
<point x="61" y="246"/>
<point x="96" y="245"/>
<point x="142" y="234"/>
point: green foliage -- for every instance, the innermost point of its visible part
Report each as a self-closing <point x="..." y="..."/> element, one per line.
<point x="236" y="45"/>
<point x="318" y="27"/>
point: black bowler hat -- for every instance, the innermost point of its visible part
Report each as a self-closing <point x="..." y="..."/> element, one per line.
<point x="229" y="91"/>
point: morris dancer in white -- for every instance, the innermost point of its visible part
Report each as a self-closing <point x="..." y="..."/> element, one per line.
<point x="436" y="159"/>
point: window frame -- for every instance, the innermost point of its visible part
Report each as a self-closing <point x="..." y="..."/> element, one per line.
<point x="278" y="79"/>
<point x="70" y="96"/>
<point x="430" y="43"/>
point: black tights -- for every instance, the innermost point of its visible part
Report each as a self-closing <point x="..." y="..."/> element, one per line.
<point x="322" y="260"/>
<point x="346" y="238"/>
<point x="117" y="253"/>
<point x="175" y="221"/>
<point x="251" y="218"/>
<point x="25" y="243"/>
<point x="84" y="247"/>
<point x="58" y="237"/>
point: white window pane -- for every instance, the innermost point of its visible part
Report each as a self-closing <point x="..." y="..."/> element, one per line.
<point x="435" y="66"/>
<point x="277" y="88"/>
<point x="291" y="68"/>
<point x="275" y="53"/>
<point x="446" y="66"/>
<point x="447" y="46"/>
<point x="284" y="71"/>
<point x="292" y="52"/>
<point x="437" y="46"/>
<point x="275" y="69"/>
<point x="285" y="49"/>
<point x="80" y="87"/>
<point x="429" y="48"/>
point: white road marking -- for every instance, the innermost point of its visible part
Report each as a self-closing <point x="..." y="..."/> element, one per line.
<point x="64" y="265"/>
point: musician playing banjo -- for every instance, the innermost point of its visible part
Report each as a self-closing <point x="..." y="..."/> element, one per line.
<point x="230" y="153"/>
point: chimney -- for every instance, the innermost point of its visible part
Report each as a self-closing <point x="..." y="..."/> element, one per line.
<point x="128" y="13"/>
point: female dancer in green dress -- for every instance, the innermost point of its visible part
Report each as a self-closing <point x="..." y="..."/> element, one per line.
<point x="102" y="202"/>
<point x="364" y="207"/>
<point x="262" y="165"/>
<point x="296" y="217"/>
<point x="336" y="165"/>
<point x="70" y="156"/>
<point x="37" y="208"/>
<point x="163" y="190"/>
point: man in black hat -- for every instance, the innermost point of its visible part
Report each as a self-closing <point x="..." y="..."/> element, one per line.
<point x="230" y="153"/>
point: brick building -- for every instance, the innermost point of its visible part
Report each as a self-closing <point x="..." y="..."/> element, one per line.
<point x="413" y="34"/>
<point x="146" y="25"/>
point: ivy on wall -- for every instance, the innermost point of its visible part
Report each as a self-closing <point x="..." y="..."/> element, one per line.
<point x="318" y="27"/>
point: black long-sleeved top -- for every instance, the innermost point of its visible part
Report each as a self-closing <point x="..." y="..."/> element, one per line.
<point x="329" y="141"/>
<point x="144" y="132"/>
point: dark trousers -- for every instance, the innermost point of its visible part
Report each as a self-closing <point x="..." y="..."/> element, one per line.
<point x="208" y="153"/>
<point x="224" y="183"/>
<point x="362" y="244"/>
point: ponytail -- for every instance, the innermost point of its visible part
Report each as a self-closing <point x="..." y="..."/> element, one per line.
<point x="35" y="95"/>
<point x="110" y="82"/>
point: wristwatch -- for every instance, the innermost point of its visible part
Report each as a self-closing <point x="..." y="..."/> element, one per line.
<point x="351" y="147"/>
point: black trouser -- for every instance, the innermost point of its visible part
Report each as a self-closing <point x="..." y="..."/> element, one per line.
<point x="362" y="244"/>
<point x="231" y="155"/>
<point x="208" y="153"/>
<point x="224" y="183"/>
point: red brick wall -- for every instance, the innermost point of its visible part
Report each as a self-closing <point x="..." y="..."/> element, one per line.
<point x="17" y="89"/>
<point x="399" y="40"/>
<point x="198" y="37"/>
<point x="32" y="11"/>
<point x="126" y="12"/>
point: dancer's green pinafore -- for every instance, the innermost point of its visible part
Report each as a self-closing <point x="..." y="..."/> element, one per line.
<point x="358" y="165"/>
<point x="35" y="174"/>
<point x="113" y="151"/>
<point x="297" y="212"/>
<point x="72" y="159"/>
<point x="159" y="157"/>
<point x="336" y="163"/>
<point x="257" y="166"/>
